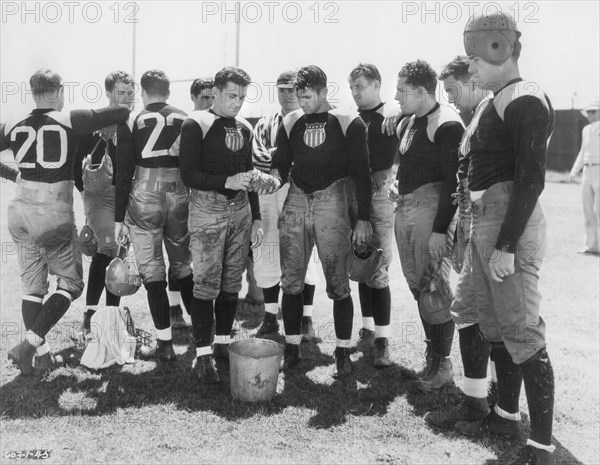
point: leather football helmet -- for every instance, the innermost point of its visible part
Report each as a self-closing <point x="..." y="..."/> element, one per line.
<point x="97" y="178"/>
<point x="492" y="37"/>
<point x="363" y="262"/>
<point x="122" y="276"/>
<point x="435" y="299"/>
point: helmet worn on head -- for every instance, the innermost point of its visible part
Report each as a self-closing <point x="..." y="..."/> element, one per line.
<point x="122" y="277"/>
<point x="97" y="178"/>
<point x="363" y="262"/>
<point x="435" y="299"/>
<point x="491" y="37"/>
<point x="88" y="241"/>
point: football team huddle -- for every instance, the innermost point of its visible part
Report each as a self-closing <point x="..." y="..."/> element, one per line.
<point x="456" y="190"/>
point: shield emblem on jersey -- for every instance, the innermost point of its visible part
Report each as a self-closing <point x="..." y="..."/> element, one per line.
<point x="407" y="140"/>
<point x="234" y="140"/>
<point x="314" y="134"/>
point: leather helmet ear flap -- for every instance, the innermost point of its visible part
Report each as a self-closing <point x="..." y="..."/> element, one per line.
<point x="363" y="262"/>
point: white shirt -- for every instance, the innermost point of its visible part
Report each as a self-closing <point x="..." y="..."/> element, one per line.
<point x="590" y="148"/>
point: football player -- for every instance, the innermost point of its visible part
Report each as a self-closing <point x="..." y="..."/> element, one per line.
<point x="507" y="145"/>
<point x="216" y="163"/>
<point x="151" y="204"/>
<point x="318" y="148"/>
<point x="201" y="93"/>
<point x="375" y="298"/>
<point x="41" y="220"/>
<point x="426" y="180"/>
<point x="99" y="200"/>
<point x="268" y="271"/>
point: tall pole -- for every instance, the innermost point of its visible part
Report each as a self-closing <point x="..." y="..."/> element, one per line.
<point x="237" y="37"/>
<point x="133" y="52"/>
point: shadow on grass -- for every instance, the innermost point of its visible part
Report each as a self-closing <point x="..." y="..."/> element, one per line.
<point x="307" y="397"/>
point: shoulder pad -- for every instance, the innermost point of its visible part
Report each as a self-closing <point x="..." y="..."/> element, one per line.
<point x="344" y="117"/>
<point x="204" y="118"/>
<point x="245" y="122"/>
<point x="10" y="124"/>
<point x="61" y="117"/>
<point x="516" y="90"/>
<point x="444" y="114"/>
<point x="291" y="119"/>
<point x="403" y="124"/>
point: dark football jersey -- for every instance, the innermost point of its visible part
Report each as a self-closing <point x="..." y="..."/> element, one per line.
<point x="382" y="147"/>
<point x="318" y="149"/>
<point x="44" y="142"/>
<point x="214" y="148"/>
<point x="151" y="140"/>
<point x="429" y="153"/>
<point x="509" y="143"/>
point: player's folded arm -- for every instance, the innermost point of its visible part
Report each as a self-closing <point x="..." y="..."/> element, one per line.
<point x="360" y="166"/>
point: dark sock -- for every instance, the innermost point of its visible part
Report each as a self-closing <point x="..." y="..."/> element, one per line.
<point x="159" y="304"/>
<point x="474" y="351"/>
<point x="364" y="296"/>
<point x="52" y="311"/>
<point x="509" y="378"/>
<point x="111" y="299"/>
<point x="381" y="303"/>
<point x="31" y="310"/>
<point x="271" y="294"/>
<point x="441" y="338"/>
<point x="308" y="294"/>
<point x="186" y="289"/>
<point x="292" y="308"/>
<point x="172" y="283"/>
<point x="343" y="314"/>
<point x="426" y="328"/>
<point x="202" y="321"/>
<point x="225" y="308"/>
<point x="538" y="378"/>
<point x="96" y="276"/>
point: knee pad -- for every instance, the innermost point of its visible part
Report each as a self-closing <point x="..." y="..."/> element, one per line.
<point x="540" y="354"/>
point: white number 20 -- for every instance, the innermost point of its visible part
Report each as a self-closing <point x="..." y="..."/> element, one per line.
<point x="38" y="136"/>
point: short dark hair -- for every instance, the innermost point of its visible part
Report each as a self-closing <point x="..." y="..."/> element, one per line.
<point x="311" y="76"/>
<point x="458" y="68"/>
<point x="368" y="71"/>
<point x="200" y="84"/>
<point x="232" y="74"/>
<point x="155" y="82"/>
<point x="111" y="80"/>
<point x="45" y="80"/>
<point x="420" y="74"/>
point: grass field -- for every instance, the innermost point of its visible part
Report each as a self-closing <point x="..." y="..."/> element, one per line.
<point x="157" y="413"/>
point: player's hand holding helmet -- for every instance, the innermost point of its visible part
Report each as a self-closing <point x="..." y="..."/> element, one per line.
<point x="435" y="298"/>
<point x="362" y="262"/>
<point x="122" y="275"/>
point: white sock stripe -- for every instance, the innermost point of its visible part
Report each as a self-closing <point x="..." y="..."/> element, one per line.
<point x="33" y="339"/>
<point x="42" y="350"/>
<point x="222" y="339"/>
<point x="368" y="323"/>
<point x="537" y="445"/>
<point x="509" y="416"/>
<point x="345" y="343"/>
<point x="295" y="339"/>
<point x="92" y="307"/>
<point x="164" y="334"/>
<point x="65" y="294"/>
<point x="493" y="372"/>
<point x="200" y="351"/>
<point x="272" y="308"/>
<point x="460" y="326"/>
<point x="382" y="331"/>
<point x="33" y="298"/>
<point x="475" y="387"/>
<point x="307" y="310"/>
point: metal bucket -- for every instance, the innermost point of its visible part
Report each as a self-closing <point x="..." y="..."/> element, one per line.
<point x="254" y="369"/>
